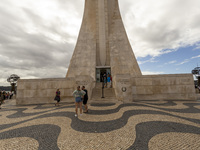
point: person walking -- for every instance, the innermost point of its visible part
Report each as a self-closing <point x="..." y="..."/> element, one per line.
<point x="57" y="97"/>
<point x="105" y="79"/>
<point x="85" y="99"/>
<point x="108" y="80"/>
<point x="78" y="94"/>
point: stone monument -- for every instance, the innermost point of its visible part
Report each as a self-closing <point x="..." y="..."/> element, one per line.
<point x="103" y="47"/>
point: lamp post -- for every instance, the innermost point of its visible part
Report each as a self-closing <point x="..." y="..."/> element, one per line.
<point x="13" y="81"/>
<point x="102" y="90"/>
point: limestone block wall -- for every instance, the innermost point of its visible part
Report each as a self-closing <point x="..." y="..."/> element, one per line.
<point x="40" y="91"/>
<point x="156" y="87"/>
<point x="123" y="81"/>
<point x="86" y="81"/>
<point x="164" y="87"/>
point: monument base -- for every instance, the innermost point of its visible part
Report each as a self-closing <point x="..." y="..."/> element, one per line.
<point x="146" y="87"/>
<point x="40" y="91"/>
<point x="155" y="87"/>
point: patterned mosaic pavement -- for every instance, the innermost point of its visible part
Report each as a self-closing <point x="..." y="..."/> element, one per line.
<point x="141" y="125"/>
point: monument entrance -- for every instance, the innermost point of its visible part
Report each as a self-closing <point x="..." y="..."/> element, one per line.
<point x="100" y="72"/>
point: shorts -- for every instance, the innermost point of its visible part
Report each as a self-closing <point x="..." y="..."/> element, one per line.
<point x="78" y="99"/>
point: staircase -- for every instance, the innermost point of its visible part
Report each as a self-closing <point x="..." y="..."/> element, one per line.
<point x="109" y="94"/>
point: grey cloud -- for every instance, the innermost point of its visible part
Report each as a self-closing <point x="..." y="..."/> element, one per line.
<point x="6" y="15"/>
<point x="196" y="22"/>
<point x="157" y="34"/>
<point x="31" y="47"/>
<point x="173" y="24"/>
<point x="33" y="17"/>
<point x="125" y="6"/>
<point x="77" y="6"/>
<point x="33" y="54"/>
<point x="36" y="52"/>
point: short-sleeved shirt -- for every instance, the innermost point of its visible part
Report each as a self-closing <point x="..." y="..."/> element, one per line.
<point x="77" y="93"/>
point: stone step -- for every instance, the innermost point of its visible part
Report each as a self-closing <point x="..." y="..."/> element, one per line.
<point x="98" y="85"/>
<point x="106" y="93"/>
<point x="109" y="97"/>
<point x="100" y="92"/>
<point x="103" y="100"/>
<point x="100" y="95"/>
<point x="109" y="93"/>
<point x="105" y="89"/>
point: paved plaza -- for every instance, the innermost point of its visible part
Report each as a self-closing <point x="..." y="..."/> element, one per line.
<point x="140" y="125"/>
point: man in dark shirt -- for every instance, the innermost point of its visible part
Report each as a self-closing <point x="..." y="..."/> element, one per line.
<point x="85" y="99"/>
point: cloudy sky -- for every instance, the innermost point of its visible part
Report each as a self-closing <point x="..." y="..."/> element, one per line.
<point x="38" y="37"/>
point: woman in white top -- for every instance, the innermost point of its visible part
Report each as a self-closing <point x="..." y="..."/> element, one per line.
<point x="78" y="94"/>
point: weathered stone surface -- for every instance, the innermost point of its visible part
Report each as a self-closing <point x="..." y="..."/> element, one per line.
<point x="156" y="87"/>
<point x="46" y="89"/>
<point x="39" y="91"/>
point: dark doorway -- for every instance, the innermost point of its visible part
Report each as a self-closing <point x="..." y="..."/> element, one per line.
<point x="100" y="72"/>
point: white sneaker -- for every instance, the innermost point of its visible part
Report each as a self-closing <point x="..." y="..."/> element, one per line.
<point x="81" y="114"/>
<point x="76" y="115"/>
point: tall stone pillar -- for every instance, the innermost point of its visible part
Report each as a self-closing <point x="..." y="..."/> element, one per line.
<point x="103" y="42"/>
<point x="102" y="31"/>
